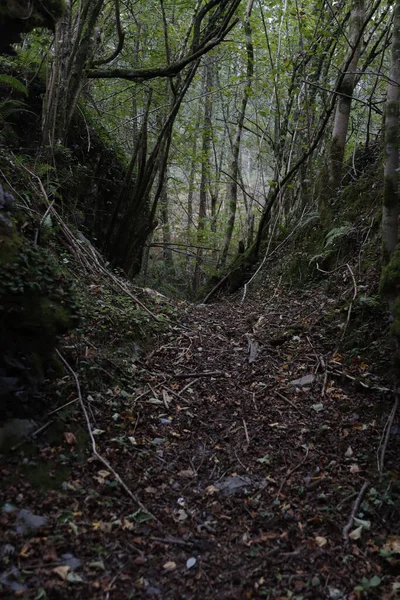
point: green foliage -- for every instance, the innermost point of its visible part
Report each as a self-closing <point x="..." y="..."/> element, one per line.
<point x="10" y="107"/>
<point x="368" y="585"/>
<point x="14" y="83"/>
<point x="334" y="235"/>
<point x="38" y="301"/>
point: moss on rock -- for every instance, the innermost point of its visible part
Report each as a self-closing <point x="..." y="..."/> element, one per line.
<point x="37" y="300"/>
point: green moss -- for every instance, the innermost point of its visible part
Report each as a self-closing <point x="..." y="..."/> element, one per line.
<point x="37" y="300"/>
<point x="389" y="286"/>
<point x="45" y="476"/>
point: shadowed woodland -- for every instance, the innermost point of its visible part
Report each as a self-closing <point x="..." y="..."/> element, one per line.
<point x="199" y="299"/>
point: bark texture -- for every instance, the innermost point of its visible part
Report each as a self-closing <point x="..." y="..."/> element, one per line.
<point x="390" y="207"/>
<point x="346" y="89"/>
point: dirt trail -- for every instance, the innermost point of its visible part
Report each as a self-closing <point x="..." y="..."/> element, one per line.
<point x="249" y="444"/>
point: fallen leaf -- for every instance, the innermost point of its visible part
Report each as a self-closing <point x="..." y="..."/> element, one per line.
<point x="349" y="452"/>
<point x="211" y="489"/>
<point x="362" y="523"/>
<point x="97" y="564"/>
<point x="127" y="525"/>
<point x="187" y="473"/>
<point x="62" y="572"/>
<point x="74" y="578"/>
<point x="74" y="527"/>
<point x="103" y="473"/>
<point x="70" y="438"/>
<point x="26" y="551"/>
<point x="182" y="515"/>
<point x="169" y="566"/>
<point x="140" y="516"/>
<point x="356" y="533"/>
<point x="392" y="545"/>
<point x="190" y="562"/>
<point x="321" y="541"/>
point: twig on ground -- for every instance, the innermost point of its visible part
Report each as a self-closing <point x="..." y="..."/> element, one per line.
<point x="246" y="432"/>
<point x="290" y="473"/>
<point x="61" y="407"/>
<point x="354" y="510"/>
<point x="167" y="389"/>
<point x="387" y="430"/>
<point x="187" y="386"/>
<point x="324" y="383"/>
<point x="349" y="309"/>
<point x="93" y="441"/>
<point x="201" y="374"/>
<point x="31" y="435"/>
<point x="216" y="288"/>
<point x="292" y="404"/>
<point x="171" y="540"/>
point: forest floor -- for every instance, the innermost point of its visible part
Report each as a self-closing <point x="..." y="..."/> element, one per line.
<point x="253" y="455"/>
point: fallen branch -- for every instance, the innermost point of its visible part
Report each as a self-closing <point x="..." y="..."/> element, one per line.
<point x="93" y="441"/>
<point x="216" y="288"/>
<point x="201" y="374"/>
<point x="89" y="257"/>
<point x="355" y="508"/>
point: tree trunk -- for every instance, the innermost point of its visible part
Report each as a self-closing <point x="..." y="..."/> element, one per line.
<point x="390" y="207"/>
<point x="342" y="115"/>
<point x="234" y="166"/>
<point x="205" y="170"/>
<point x="166" y="229"/>
<point x="73" y="50"/>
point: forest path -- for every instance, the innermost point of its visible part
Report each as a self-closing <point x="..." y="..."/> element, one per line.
<point x="248" y="444"/>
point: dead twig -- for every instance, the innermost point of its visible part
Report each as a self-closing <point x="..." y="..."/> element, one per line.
<point x="171" y="540"/>
<point x="290" y="473"/>
<point x="187" y="386"/>
<point x="89" y="257"/>
<point x="292" y="404"/>
<point x="93" y="441"/>
<point x="355" y="508"/>
<point x="246" y="432"/>
<point x="386" y="435"/>
<point x="31" y="435"/>
<point x="61" y="407"/>
<point x="350" y="307"/>
<point x="201" y="374"/>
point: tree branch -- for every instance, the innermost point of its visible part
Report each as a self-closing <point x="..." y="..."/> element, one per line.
<point x="145" y="74"/>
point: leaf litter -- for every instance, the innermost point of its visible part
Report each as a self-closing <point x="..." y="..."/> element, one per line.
<point x="248" y="471"/>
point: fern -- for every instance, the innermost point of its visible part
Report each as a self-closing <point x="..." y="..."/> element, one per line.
<point x="334" y="234"/>
<point x="10" y="107"/>
<point x="308" y="219"/>
<point x="14" y="83"/>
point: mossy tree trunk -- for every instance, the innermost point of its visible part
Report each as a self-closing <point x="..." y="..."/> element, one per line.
<point x="205" y="169"/>
<point x="74" y="45"/>
<point x="346" y="89"/>
<point x="390" y="207"/>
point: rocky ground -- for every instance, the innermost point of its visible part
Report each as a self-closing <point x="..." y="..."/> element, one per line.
<point x="253" y="462"/>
